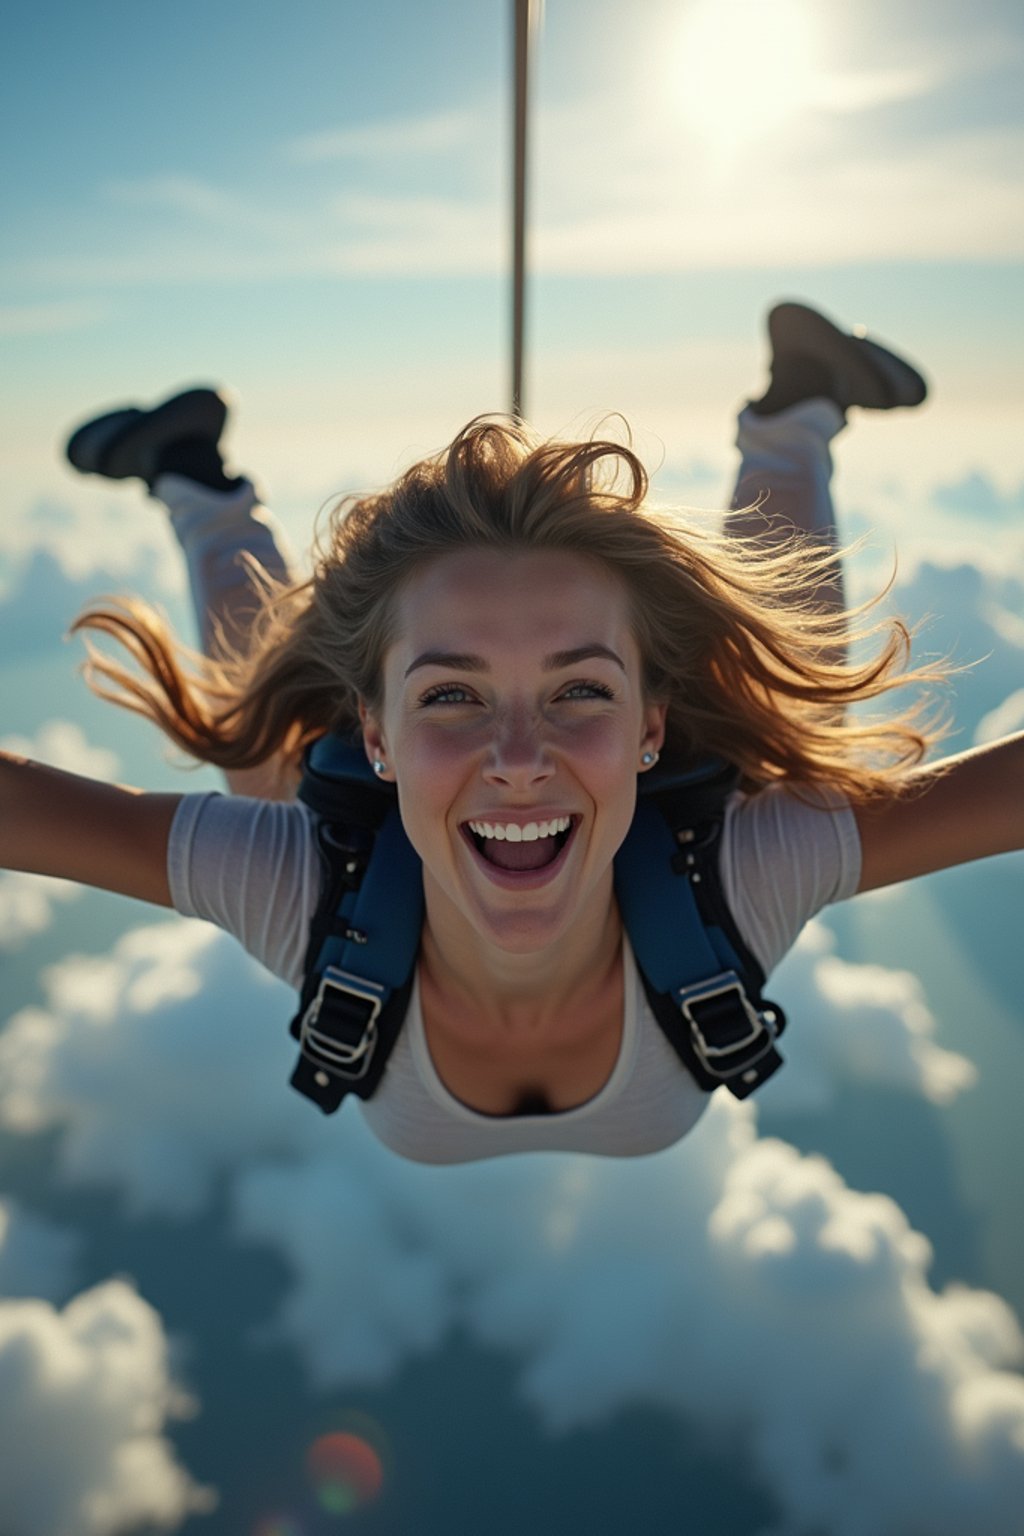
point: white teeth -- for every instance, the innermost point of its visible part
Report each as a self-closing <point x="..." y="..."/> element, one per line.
<point x="511" y="832"/>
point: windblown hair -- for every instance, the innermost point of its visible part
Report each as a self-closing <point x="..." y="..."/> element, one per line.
<point x="752" y="668"/>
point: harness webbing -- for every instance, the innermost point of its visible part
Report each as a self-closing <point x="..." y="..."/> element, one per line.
<point x="701" y="980"/>
<point x="703" y="984"/>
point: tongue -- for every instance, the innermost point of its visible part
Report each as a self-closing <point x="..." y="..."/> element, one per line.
<point x="532" y="855"/>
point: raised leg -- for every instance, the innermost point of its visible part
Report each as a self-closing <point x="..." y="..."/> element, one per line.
<point x="784" y="480"/>
<point x="217" y="530"/>
<point x="818" y="371"/>
<point x="218" y="520"/>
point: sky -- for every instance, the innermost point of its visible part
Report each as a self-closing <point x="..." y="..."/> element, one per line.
<point x="804" y="1319"/>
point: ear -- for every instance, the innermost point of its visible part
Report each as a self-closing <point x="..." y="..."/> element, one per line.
<point x="374" y="744"/>
<point x="653" y="738"/>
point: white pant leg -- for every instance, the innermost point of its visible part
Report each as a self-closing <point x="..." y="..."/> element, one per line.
<point x="786" y="467"/>
<point x="214" y="528"/>
<point x="787" y="456"/>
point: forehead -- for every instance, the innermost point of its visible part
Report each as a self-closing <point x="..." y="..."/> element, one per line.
<point x="524" y="602"/>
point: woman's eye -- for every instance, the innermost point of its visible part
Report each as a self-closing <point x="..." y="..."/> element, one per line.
<point x="587" y="691"/>
<point x="446" y="693"/>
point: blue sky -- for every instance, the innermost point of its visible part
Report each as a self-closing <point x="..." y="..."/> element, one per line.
<point x="310" y="203"/>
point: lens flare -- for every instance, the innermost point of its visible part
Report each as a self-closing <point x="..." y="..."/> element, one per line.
<point x="345" y="1471"/>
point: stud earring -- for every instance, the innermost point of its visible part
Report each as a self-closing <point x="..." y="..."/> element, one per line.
<point x="649" y="759"/>
<point x="379" y="766"/>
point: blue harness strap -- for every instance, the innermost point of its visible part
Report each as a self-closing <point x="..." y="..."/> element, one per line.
<point x="703" y="984"/>
<point x="366" y="935"/>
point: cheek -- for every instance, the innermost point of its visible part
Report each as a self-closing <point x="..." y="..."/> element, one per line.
<point x="430" y="770"/>
<point x="605" y="746"/>
<point x="426" y="752"/>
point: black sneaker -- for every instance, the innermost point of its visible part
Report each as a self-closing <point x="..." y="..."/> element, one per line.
<point x="128" y="442"/>
<point x="861" y="371"/>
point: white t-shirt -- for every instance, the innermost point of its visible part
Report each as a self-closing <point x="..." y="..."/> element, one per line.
<point x="253" y="868"/>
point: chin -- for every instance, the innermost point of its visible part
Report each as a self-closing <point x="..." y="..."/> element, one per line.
<point x="521" y="933"/>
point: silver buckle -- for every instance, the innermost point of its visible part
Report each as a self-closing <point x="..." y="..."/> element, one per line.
<point x="710" y="1056"/>
<point x="342" y="1059"/>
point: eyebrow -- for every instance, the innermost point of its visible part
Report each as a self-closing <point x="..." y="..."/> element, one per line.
<point x="461" y="661"/>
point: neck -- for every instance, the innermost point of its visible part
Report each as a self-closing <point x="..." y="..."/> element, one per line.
<point x="513" y="990"/>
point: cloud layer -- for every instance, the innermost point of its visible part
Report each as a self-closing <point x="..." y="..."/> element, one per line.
<point x="731" y="1280"/>
<point x="164" y="1063"/>
<point x="863" y="1023"/>
<point x="975" y="618"/>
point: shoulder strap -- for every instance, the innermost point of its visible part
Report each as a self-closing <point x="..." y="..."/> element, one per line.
<point x="702" y="982"/>
<point x="365" y="933"/>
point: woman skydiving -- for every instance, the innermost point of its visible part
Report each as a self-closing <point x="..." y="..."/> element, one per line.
<point x="515" y="635"/>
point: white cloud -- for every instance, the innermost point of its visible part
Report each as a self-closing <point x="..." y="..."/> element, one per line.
<point x="729" y="1279"/>
<point x="863" y="1023"/>
<point x="195" y="203"/>
<point x="854" y="90"/>
<point x="50" y="319"/>
<point x="85" y="1394"/>
<point x="63" y="744"/>
<point x="453" y="236"/>
<point x="620" y="197"/>
<point x="60" y="567"/>
<point x="1004" y="720"/>
<point x="27" y="903"/>
<point x="608" y="211"/>
<point x="395" y="1291"/>
<point x="974" y="616"/>
<point x="974" y="494"/>
<point x="732" y="1280"/>
<point x="164" y="1063"/>
<point x="615" y="191"/>
<point x="393" y="138"/>
<point x="187" y="195"/>
<point x="36" y="1257"/>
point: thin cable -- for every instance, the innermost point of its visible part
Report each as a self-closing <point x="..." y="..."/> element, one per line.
<point x="525" y="20"/>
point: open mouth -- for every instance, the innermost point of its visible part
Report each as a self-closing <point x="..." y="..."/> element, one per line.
<point x="539" y="850"/>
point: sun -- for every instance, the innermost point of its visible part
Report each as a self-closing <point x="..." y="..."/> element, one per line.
<point x="742" y="67"/>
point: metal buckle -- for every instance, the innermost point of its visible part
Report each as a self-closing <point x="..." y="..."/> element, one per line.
<point x="351" y="1061"/>
<point x="712" y="1056"/>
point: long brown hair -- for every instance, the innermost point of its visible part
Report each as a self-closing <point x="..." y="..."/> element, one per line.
<point x="751" y="667"/>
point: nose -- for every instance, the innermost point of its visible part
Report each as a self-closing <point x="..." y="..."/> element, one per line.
<point x="519" y="756"/>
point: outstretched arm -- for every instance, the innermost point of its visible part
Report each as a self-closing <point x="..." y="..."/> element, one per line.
<point x="55" y="823"/>
<point x="962" y="808"/>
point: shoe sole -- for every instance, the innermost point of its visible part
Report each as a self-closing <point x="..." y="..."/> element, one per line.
<point x="124" y="444"/>
<point x="867" y="374"/>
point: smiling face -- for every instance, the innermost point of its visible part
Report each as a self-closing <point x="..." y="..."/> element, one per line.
<point x="513" y="722"/>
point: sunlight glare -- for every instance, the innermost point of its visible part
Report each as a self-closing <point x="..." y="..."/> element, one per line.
<point x="744" y="66"/>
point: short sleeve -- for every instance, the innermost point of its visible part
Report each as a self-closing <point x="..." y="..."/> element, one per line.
<point x="782" y="860"/>
<point x="253" y="868"/>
